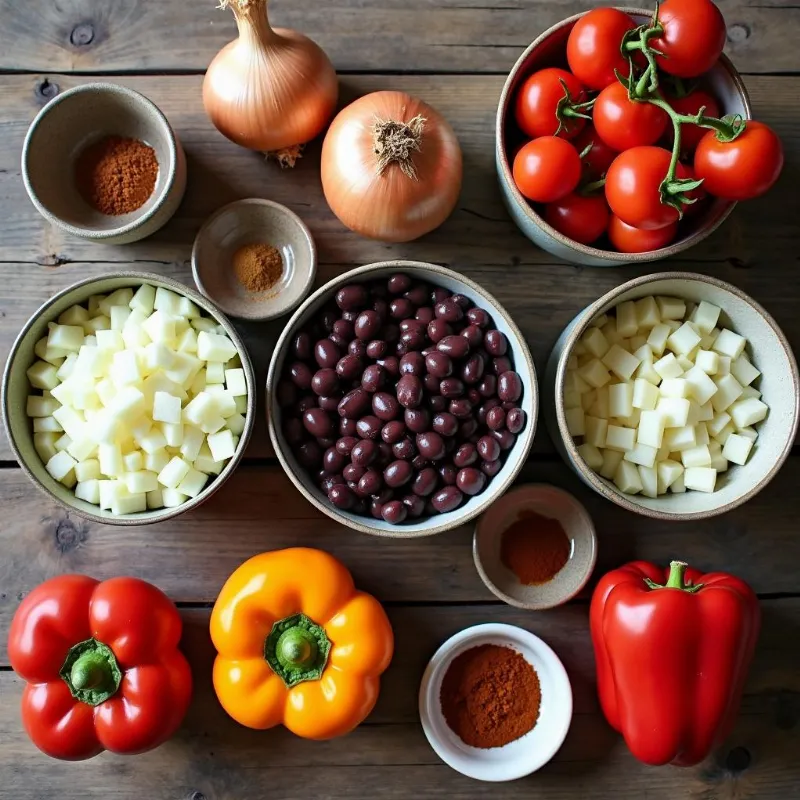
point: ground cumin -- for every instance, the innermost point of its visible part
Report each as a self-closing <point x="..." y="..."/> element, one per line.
<point x="258" y="267"/>
<point x="116" y="175"/>
<point x="534" y="548"/>
<point x="490" y="696"/>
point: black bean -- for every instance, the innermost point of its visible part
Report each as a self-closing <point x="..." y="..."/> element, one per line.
<point x="496" y="418"/>
<point x="438" y="329"/>
<point x="495" y="343"/>
<point x="364" y="453"/>
<point x="385" y="454"/>
<point x="501" y="364"/>
<point x="367" y="325"/>
<point x="309" y="454"/>
<point x="449" y="310"/>
<point x="488" y="386"/>
<point x="474" y="396"/>
<point x="339" y="341"/>
<point x="301" y="346"/>
<point x="391" y="364"/>
<point x="465" y="455"/>
<point x="412" y="364"/>
<point x="370" y="483"/>
<point x="401" y="308"/>
<point x="343" y="328"/>
<point x="341" y="497"/>
<point x="509" y="387"/>
<point x="305" y="402"/>
<point x="425" y="481"/>
<point x="328" y="318"/>
<point x="425" y="314"/>
<point x="326" y="353"/>
<point x="398" y="473"/>
<point x="345" y="444"/>
<point x="398" y="283"/>
<point x="418" y="420"/>
<point x="301" y="375"/>
<point x="317" y="422"/>
<point x="394" y="512"/>
<point x="515" y="420"/>
<point x="479" y="317"/>
<point x="439" y="364"/>
<point x="390" y="333"/>
<point x="377" y="348"/>
<point x="352" y="297"/>
<point x="393" y="431"/>
<point x="381" y="305"/>
<point x="418" y="294"/>
<point x="445" y="423"/>
<point x="369" y="427"/>
<point x="325" y="442"/>
<point x="463" y="301"/>
<point x="491" y="468"/>
<point x="419" y="462"/>
<point x="504" y="438"/>
<point x="447" y="499"/>
<point x="373" y="378"/>
<point x="354" y="404"/>
<point x="404" y="449"/>
<point x="467" y="427"/>
<point x="488" y="448"/>
<point x="431" y="445"/>
<point x="385" y="406"/>
<point x="414" y="504"/>
<point x="350" y="316"/>
<point x="448" y="474"/>
<point x="451" y="387"/>
<point x="439" y="293"/>
<point x="347" y="427"/>
<point x="453" y="346"/>
<point x="471" y="481"/>
<point x="412" y="340"/>
<point x="349" y="367"/>
<point x="325" y="381"/>
<point x="409" y="391"/>
<point x="472" y="371"/>
<point x="329" y="481"/>
<point x="438" y="403"/>
<point x="376" y="509"/>
<point x="485" y="408"/>
<point x="357" y="348"/>
<point x="430" y="383"/>
<point x="460" y="407"/>
<point x="474" y="335"/>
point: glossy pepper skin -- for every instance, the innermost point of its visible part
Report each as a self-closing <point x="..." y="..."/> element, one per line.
<point x="334" y="693"/>
<point x="129" y="631"/>
<point x="672" y="649"/>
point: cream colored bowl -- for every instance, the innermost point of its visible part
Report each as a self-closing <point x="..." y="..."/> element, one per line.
<point x="779" y="385"/>
<point x="16" y="388"/>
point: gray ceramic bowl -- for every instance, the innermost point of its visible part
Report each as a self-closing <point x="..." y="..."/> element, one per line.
<point x="549" y="50"/>
<point x="16" y="389"/>
<point x="779" y="385"/>
<point x="254" y="221"/>
<point x="547" y="501"/>
<point x="523" y="364"/>
<point x="78" y="118"/>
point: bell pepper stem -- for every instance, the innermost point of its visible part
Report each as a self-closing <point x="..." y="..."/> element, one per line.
<point x="91" y="672"/>
<point x="675" y="579"/>
<point x="297" y="649"/>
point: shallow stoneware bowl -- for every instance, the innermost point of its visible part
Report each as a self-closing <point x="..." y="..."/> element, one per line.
<point x="16" y="389"/>
<point x="76" y="119"/>
<point x="779" y="385"/>
<point x="523" y="756"/>
<point x="547" y="50"/>
<point x="547" y="501"/>
<point x="523" y="364"/>
<point x="254" y="221"/>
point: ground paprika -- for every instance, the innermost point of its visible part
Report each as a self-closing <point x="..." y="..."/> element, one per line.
<point x="490" y="696"/>
<point x="534" y="548"/>
<point x="258" y="267"/>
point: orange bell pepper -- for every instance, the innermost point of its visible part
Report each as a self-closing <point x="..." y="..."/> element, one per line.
<point x="298" y="645"/>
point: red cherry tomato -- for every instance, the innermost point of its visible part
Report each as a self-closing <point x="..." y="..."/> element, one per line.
<point x="744" y="168"/>
<point x="547" y="169"/>
<point x="690" y="104"/>
<point x="536" y="108"/>
<point x="628" y="239"/>
<point x="632" y="187"/>
<point x="583" y="218"/>
<point x="593" y="47"/>
<point x="624" y="123"/>
<point x="693" y="38"/>
<point x="597" y="161"/>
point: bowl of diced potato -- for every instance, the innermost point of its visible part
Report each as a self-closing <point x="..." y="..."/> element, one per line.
<point x="675" y="396"/>
<point x="129" y="398"/>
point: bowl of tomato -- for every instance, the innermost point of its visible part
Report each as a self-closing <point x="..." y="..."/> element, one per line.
<point x="586" y="131"/>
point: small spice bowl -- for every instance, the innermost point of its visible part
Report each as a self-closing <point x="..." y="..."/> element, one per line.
<point x="78" y="118"/>
<point x="550" y="502"/>
<point x="522" y="756"/>
<point x="254" y="221"/>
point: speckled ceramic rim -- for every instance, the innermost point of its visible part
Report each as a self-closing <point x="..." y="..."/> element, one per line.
<point x="146" y="518"/>
<point x="592" y="544"/>
<point x="494" y="490"/>
<point x="500" y="143"/>
<point x="140" y="100"/>
<point x="609" y="491"/>
<point x="276" y="310"/>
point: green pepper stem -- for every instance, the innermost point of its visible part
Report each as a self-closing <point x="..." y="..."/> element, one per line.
<point x="297" y="649"/>
<point x="90" y="671"/>
<point x="677" y="569"/>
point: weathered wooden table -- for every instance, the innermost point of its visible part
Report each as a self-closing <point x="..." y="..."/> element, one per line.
<point x="452" y="53"/>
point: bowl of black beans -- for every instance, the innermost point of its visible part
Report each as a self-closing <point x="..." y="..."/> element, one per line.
<point x="402" y="399"/>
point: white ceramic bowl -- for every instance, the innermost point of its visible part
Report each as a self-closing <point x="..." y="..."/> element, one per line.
<point x="16" y="388"/>
<point x="523" y="364"/>
<point x="518" y="758"/>
<point x="779" y="385"/>
<point x="549" y="49"/>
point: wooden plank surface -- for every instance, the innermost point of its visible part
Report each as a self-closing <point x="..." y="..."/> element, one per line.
<point x="212" y="758"/>
<point x="393" y="35"/>
<point x="480" y="240"/>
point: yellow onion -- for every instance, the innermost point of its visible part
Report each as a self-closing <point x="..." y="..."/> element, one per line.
<point x="391" y="167"/>
<point x="270" y="89"/>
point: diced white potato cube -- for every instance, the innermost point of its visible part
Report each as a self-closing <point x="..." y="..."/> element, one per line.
<point x="205" y="462"/>
<point x="729" y="344"/>
<point x="642" y="454"/>
<point x="72" y="421"/>
<point x="173" y="433"/>
<point x="75" y="315"/>
<point x="215" y="372"/>
<point x="48" y="354"/>
<point x="706" y="412"/>
<point x="155" y="500"/>
<point x="679" y="439"/>
<point x="61" y="465"/>
<point x="235" y="382"/>
<point x="627" y="324"/>
<point x="631" y="421"/>
<point x="110" y="457"/>
<point x="241" y="403"/>
<point x="118" y="316"/>
<point x="596" y="342"/>
<point x="620" y="399"/>
<point x="668" y="472"/>
<point x="698" y="456"/>
<point x="121" y="297"/>
<point x="749" y="391"/>
<point x="171" y="497"/>
<point x="651" y="429"/>
<point x="66" y="337"/>
<point x="187" y="341"/>
<point x="627" y="478"/>
<point x="723" y="366"/>
<point x="611" y="461"/>
<point x="591" y="455"/>
<point x="638" y="342"/>
<point x="184" y="369"/>
<point x="45" y="445"/>
<point x="701" y="479"/>
<point x="701" y="387"/>
<point x="718" y="423"/>
<point x="193" y="439"/>
<point x="728" y="391"/>
<point x="683" y="340"/>
<point x="737" y="448"/>
<point x="43" y="375"/>
<point x="719" y="463"/>
<point x="575" y="421"/>
<point x="38" y="406"/>
<point x="87" y="471"/>
<point x="675" y="411"/>
<point x="174" y="473"/>
<point x="110" y="340"/>
<point x="649" y="479"/>
<point x="619" y="438"/>
<point x="82" y="449"/>
<point x="97" y="324"/>
<point x="213" y="347"/>
<point x="743" y="370"/>
<point x="678" y="486"/>
<point x="67" y="368"/>
<point x="160" y="327"/>
<point x="673" y="387"/>
<point x="88" y="490"/>
<point x="671" y="308"/>
<point x="205" y="324"/>
<point x="708" y="361"/>
<point x="595" y="373"/>
<point x="141" y="482"/>
<point x="166" y="408"/>
<point x="600" y="320"/>
<point x="586" y="400"/>
<point x="645" y="394"/>
<point x="647" y="312"/>
<point x="156" y="461"/>
<point x="144" y="299"/>
<point x="748" y="412"/>
<point x="193" y="483"/>
<point x="668" y="367"/>
<point x="750" y="433"/>
<point x="125" y="368"/>
<point x="108" y="491"/>
<point x="705" y="317"/>
<point x="594" y="429"/>
<point x="133" y="461"/>
<point x="153" y="440"/>
<point x="167" y="301"/>
<point x="127" y="503"/>
<point x="701" y="433"/>
<point x="47" y="425"/>
<point x="63" y="443"/>
<point x="657" y="340"/>
<point x="235" y="424"/>
<point x="620" y="362"/>
<point x="723" y="435"/>
<point x="571" y="398"/>
<point x="200" y="409"/>
<point x="221" y="445"/>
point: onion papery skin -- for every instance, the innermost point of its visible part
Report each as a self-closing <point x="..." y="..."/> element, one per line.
<point x="390" y="207"/>
<point x="269" y="89"/>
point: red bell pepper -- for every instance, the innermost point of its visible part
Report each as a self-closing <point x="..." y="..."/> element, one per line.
<point x="102" y="666"/>
<point x="672" y="649"/>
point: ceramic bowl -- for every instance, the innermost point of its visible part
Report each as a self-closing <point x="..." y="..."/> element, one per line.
<point x="76" y="119"/>
<point x="523" y="364"/>
<point x="779" y="385"/>
<point x="16" y="389"/>
<point x="254" y="221"/>
<point x="528" y="753"/>
<point x="547" y="501"/>
<point x="549" y="49"/>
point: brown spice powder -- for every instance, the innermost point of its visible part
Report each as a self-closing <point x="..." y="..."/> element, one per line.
<point x="534" y="548"/>
<point x="258" y="267"/>
<point x="116" y="175"/>
<point x="490" y="696"/>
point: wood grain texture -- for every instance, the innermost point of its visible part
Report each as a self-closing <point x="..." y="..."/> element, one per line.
<point x="393" y="35"/>
<point x="756" y="249"/>
<point x="212" y="758"/>
<point x="258" y="509"/>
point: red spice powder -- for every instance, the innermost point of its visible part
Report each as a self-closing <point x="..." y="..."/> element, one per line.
<point x="534" y="548"/>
